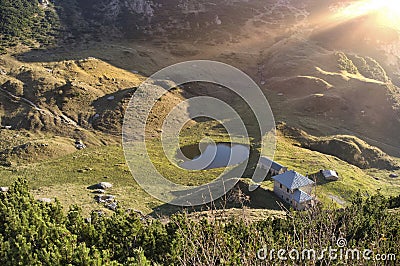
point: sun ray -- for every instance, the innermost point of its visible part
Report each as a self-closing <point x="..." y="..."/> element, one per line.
<point x="387" y="12"/>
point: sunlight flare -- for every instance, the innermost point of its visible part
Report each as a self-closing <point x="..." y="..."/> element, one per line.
<point x="387" y="11"/>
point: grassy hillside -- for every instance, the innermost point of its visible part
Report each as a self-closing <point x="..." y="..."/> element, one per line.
<point x="40" y="146"/>
<point x="62" y="109"/>
<point x="67" y="177"/>
<point x="352" y="179"/>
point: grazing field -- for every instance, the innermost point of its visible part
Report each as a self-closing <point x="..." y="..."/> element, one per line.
<point x="67" y="177"/>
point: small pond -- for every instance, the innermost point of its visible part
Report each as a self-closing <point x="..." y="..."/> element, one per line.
<point x="210" y="155"/>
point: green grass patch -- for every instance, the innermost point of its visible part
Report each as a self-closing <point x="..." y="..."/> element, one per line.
<point x="352" y="178"/>
<point x="67" y="177"/>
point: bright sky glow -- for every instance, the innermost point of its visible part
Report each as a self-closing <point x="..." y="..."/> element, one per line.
<point x="387" y="11"/>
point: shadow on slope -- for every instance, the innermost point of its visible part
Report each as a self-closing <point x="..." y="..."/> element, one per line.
<point x="238" y="197"/>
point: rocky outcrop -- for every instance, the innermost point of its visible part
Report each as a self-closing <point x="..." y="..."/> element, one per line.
<point x="186" y="18"/>
<point x="15" y="87"/>
<point x="101" y="185"/>
<point x="347" y="148"/>
<point x="113" y="9"/>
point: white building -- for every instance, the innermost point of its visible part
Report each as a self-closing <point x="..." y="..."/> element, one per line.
<point x="274" y="167"/>
<point x="330" y="175"/>
<point x="294" y="189"/>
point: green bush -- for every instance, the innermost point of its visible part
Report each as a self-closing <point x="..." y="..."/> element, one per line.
<point x="369" y="68"/>
<point x="36" y="233"/>
<point x="24" y="21"/>
<point x="345" y="63"/>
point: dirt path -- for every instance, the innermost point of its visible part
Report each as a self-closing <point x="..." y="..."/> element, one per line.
<point x="337" y="199"/>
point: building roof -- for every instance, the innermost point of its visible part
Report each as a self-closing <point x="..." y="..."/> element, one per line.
<point x="328" y="173"/>
<point x="293" y="180"/>
<point x="300" y="196"/>
<point x="267" y="162"/>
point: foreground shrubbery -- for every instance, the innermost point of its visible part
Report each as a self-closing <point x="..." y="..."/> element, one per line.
<point x="36" y="233"/>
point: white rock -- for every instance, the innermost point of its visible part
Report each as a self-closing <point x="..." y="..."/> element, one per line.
<point x="112" y="206"/>
<point x="45" y="200"/>
<point x="218" y="21"/>
<point x="4" y="189"/>
<point x="80" y="146"/>
<point x="105" y="185"/>
<point x="99" y="191"/>
<point x="104" y="198"/>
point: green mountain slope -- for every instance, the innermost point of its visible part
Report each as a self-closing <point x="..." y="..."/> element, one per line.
<point x="77" y="90"/>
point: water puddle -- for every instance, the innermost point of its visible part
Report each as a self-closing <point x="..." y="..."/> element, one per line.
<point x="211" y="155"/>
